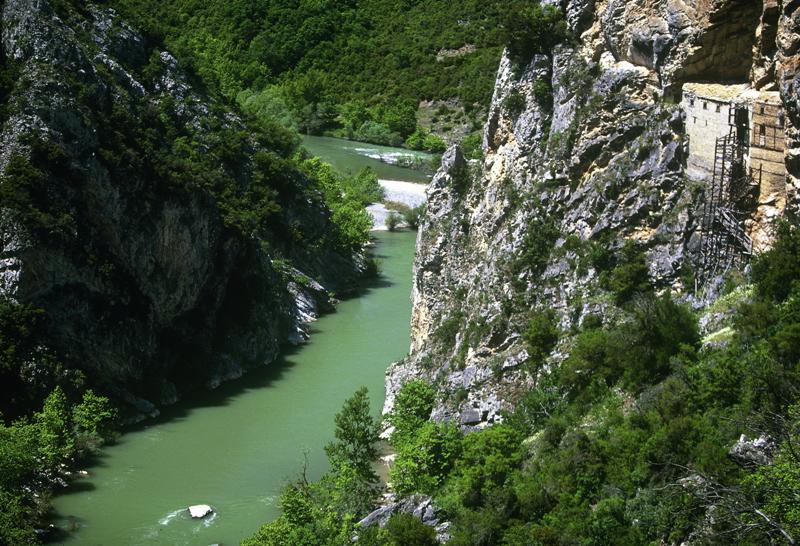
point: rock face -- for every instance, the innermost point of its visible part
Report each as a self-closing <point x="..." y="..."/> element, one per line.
<point x="149" y="284"/>
<point x="519" y="230"/>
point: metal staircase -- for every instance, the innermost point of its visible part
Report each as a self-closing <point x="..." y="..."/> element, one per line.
<point x="724" y="241"/>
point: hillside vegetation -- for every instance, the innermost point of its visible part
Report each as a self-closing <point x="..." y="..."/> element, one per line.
<point x="357" y="67"/>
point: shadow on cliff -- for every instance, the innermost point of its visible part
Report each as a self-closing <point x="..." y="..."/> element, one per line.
<point x="256" y="378"/>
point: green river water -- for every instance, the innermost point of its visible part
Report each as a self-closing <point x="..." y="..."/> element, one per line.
<point x="350" y="156"/>
<point x="235" y="447"/>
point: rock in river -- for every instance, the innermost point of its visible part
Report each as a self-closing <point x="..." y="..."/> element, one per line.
<point x="200" y="510"/>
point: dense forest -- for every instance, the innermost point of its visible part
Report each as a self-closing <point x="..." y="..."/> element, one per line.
<point x="356" y="68"/>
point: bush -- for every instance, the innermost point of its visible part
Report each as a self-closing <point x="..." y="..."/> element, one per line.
<point x="434" y="144"/>
<point x="406" y="530"/>
<point x="541" y="335"/>
<point x="515" y="103"/>
<point x="378" y="133"/>
<point x="471" y="146"/>
<point x="778" y="269"/>
<point x="356" y="437"/>
<point x="413" y="216"/>
<point x="533" y="30"/>
<point x="630" y="277"/>
<point x="392" y="221"/>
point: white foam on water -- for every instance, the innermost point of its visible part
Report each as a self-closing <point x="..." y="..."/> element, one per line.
<point x="209" y="520"/>
<point x="171" y="516"/>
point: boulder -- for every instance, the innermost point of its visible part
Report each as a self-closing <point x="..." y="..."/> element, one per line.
<point x="199" y="511"/>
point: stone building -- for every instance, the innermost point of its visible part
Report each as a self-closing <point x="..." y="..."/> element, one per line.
<point x="734" y="128"/>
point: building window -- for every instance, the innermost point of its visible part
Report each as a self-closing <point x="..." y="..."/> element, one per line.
<point x="761" y="109"/>
<point x="705" y="106"/>
<point x="691" y="102"/>
<point x="762" y="135"/>
<point x="719" y="108"/>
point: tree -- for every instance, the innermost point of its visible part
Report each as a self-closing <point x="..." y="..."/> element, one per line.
<point x="94" y="420"/>
<point x="56" y="443"/>
<point x="412" y="407"/>
<point x="356" y="436"/>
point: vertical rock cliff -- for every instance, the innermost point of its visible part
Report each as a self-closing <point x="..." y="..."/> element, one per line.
<point x="163" y="236"/>
<point x="570" y="181"/>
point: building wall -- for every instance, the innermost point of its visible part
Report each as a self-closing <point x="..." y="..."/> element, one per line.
<point x="706" y="120"/>
<point x="767" y="164"/>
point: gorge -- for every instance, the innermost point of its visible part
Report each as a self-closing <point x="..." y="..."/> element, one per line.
<point x="605" y="305"/>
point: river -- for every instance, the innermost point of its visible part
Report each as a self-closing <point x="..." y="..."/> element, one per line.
<point x="235" y="447"/>
<point x="350" y="156"/>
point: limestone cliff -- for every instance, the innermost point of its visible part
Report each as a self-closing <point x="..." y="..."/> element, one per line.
<point x="154" y="277"/>
<point x="562" y="186"/>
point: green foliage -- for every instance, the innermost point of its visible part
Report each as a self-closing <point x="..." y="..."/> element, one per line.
<point x="94" y="420"/>
<point x="775" y="488"/>
<point x="448" y="330"/>
<point x="325" y="56"/>
<point x="412" y="408"/>
<point x="54" y="422"/>
<point x="535" y="249"/>
<point x="630" y="277"/>
<point x="393" y="221"/>
<point x="356" y="436"/>
<point x="776" y="271"/>
<point x="422" y="139"/>
<point x="34" y="189"/>
<point x="269" y="106"/>
<point x="541" y="335"/>
<point x="533" y="30"/>
<point x="406" y="530"/>
<point x="15" y="517"/>
<point x="413" y="216"/>
<point x="515" y="103"/>
<point x="424" y="458"/>
<point x="35" y="452"/>
<point x="471" y="146"/>
<point x="9" y="75"/>
<point x="346" y="196"/>
<point x="325" y="512"/>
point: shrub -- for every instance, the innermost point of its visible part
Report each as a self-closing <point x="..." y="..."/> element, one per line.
<point x="778" y="269"/>
<point x="406" y="530"/>
<point x="356" y="436"/>
<point x="515" y="103"/>
<point x="631" y="276"/>
<point x="434" y="144"/>
<point x="392" y="221"/>
<point x="541" y="334"/>
<point x="471" y="146"/>
<point x="413" y="216"/>
<point x="448" y="330"/>
<point x="533" y="30"/>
